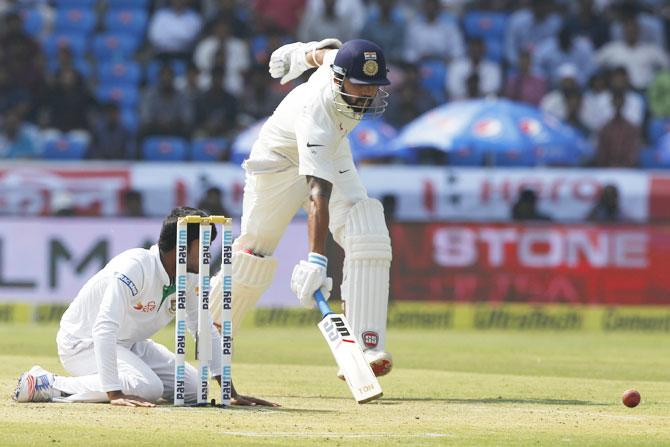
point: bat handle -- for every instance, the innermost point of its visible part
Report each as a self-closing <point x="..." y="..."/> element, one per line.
<point x="321" y="302"/>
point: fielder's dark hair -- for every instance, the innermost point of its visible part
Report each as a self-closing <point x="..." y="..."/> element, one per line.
<point x="168" y="237"/>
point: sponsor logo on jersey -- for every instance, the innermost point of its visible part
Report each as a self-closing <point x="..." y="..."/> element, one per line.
<point x="128" y="282"/>
<point x="370" y="339"/>
<point x="148" y="307"/>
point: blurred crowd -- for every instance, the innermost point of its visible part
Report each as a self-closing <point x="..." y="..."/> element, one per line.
<point x="113" y="74"/>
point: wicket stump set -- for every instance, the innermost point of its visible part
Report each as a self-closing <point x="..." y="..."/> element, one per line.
<point x="203" y="335"/>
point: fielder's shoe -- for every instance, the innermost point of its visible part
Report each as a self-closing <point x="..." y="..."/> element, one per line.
<point x="381" y="363"/>
<point x="35" y="385"/>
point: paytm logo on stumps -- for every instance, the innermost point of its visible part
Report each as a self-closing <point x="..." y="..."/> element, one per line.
<point x="205" y="292"/>
<point x="227" y="292"/>
<point x="181" y="242"/>
<point x="181" y="337"/>
<point x="180" y="388"/>
<point x="205" y="243"/>
<point x="181" y="294"/>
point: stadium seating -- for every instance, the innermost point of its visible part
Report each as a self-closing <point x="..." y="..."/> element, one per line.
<point x="433" y="76"/>
<point x="128" y="21"/>
<point x="114" y="47"/>
<point x="125" y="95"/>
<point x="33" y="22"/>
<point x="153" y="68"/>
<point x="89" y="4"/>
<point x="128" y="4"/>
<point x="126" y="73"/>
<point x="164" y="148"/>
<point x="657" y="128"/>
<point x="70" y="146"/>
<point x="77" y="43"/>
<point x="129" y="118"/>
<point x="209" y="149"/>
<point x="75" y="20"/>
<point x="484" y="24"/>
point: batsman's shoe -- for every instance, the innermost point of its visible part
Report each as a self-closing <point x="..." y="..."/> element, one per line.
<point x="381" y="363"/>
<point x="35" y="385"/>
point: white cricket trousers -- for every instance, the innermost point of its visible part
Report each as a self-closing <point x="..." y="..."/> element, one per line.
<point x="145" y="370"/>
<point x="272" y="199"/>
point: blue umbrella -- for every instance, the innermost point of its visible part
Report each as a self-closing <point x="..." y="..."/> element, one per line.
<point x="510" y="133"/>
<point x="369" y="140"/>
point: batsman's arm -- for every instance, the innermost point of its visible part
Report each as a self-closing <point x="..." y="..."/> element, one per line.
<point x="319" y="217"/>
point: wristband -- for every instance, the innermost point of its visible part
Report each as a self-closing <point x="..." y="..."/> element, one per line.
<point x="316" y="258"/>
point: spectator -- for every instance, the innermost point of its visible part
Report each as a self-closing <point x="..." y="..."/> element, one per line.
<point x="21" y="57"/>
<point x="641" y="60"/>
<point x="173" y="30"/>
<point x="651" y="28"/>
<point x="525" y="208"/>
<point x="342" y="19"/>
<point x="216" y="109"/>
<point x="430" y="34"/>
<point x="599" y="110"/>
<point x="11" y="95"/>
<point x="410" y="99"/>
<point x="385" y="26"/>
<point x="574" y="111"/>
<point x="232" y="52"/>
<point x="65" y="61"/>
<point x="68" y="102"/>
<point x="619" y="140"/>
<point x="488" y="73"/>
<point x="237" y="14"/>
<point x="554" y="102"/>
<point x="589" y="24"/>
<point x="526" y="28"/>
<point x="164" y="110"/>
<point x="565" y="49"/>
<point x="190" y="83"/>
<point x="17" y="140"/>
<point x="111" y="139"/>
<point x="659" y="95"/>
<point x="132" y="204"/>
<point x="212" y="202"/>
<point x="260" y="97"/>
<point x="284" y="15"/>
<point x="607" y="209"/>
<point x="525" y="85"/>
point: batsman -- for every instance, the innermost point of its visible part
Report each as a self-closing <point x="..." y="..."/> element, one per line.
<point x="302" y="159"/>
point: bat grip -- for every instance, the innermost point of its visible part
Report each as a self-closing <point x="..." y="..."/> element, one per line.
<point x="321" y="302"/>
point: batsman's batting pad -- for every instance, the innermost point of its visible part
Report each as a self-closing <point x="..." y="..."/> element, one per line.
<point x="365" y="288"/>
<point x="252" y="275"/>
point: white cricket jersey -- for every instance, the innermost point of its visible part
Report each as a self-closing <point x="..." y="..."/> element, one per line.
<point x="127" y="301"/>
<point x="305" y="130"/>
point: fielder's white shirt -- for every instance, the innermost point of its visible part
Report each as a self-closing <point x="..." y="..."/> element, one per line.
<point x="128" y="301"/>
<point x="305" y="130"/>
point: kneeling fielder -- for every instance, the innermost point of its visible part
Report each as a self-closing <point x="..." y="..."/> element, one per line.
<point x="103" y="337"/>
<point x="302" y="158"/>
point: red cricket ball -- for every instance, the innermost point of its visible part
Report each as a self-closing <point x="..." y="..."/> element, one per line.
<point x="630" y="398"/>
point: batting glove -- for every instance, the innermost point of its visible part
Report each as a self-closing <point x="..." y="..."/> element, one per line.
<point x="310" y="276"/>
<point x="288" y="61"/>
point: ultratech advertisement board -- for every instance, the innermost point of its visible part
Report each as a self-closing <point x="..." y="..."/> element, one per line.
<point x="47" y="260"/>
<point x="572" y="264"/>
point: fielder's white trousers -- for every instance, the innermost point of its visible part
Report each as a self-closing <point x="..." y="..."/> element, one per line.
<point x="145" y="370"/>
<point x="272" y="199"/>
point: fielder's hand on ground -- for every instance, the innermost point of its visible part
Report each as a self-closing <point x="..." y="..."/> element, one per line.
<point x="309" y="276"/>
<point x="249" y="401"/>
<point x="288" y="61"/>
<point x="128" y="400"/>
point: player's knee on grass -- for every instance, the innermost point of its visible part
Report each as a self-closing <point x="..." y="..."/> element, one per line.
<point x="148" y="387"/>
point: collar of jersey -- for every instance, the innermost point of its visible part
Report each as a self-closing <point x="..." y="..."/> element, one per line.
<point x="164" y="277"/>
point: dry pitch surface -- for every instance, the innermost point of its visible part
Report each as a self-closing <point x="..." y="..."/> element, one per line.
<point x="449" y="388"/>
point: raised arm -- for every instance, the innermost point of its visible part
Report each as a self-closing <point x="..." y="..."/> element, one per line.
<point x="290" y="61"/>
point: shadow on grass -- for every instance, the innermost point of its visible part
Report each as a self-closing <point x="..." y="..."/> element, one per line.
<point x="495" y="400"/>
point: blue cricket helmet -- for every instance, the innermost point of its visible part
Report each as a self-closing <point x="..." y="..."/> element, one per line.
<point x="362" y="62"/>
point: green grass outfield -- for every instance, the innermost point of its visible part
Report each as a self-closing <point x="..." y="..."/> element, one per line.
<point x="450" y="387"/>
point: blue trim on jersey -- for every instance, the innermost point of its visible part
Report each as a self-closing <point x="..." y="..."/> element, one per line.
<point x="127" y="281"/>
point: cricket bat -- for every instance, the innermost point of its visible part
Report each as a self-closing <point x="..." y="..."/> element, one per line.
<point x="348" y="353"/>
